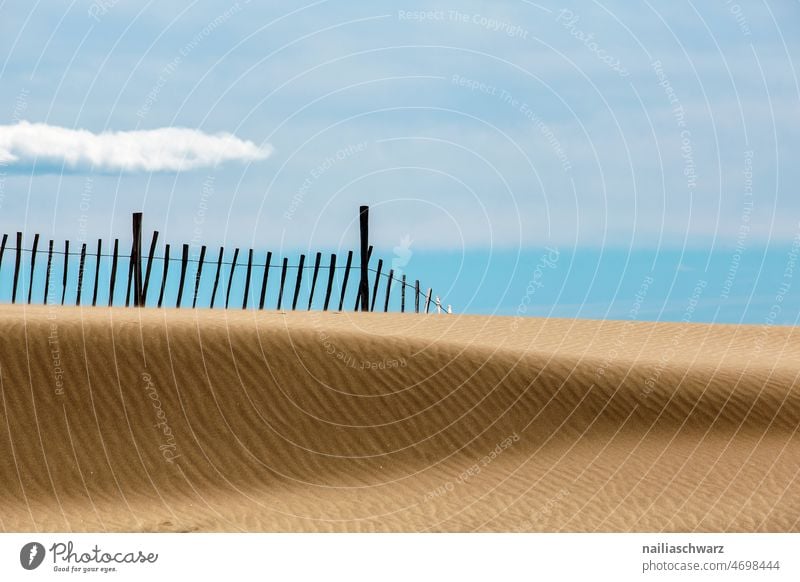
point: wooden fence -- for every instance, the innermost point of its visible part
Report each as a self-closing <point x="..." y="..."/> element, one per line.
<point x="141" y="288"/>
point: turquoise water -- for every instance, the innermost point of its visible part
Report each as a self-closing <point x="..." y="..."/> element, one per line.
<point x="752" y="285"/>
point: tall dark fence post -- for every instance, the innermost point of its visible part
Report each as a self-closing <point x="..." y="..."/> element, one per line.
<point x="299" y="281"/>
<point x="416" y="297"/>
<point x="66" y="270"/>
<point x="216" y="277"/>
<point x="184" y="264"/>
<point x="33" y="266"/>
<point x="388" y="290"/>
<point x="136" y="259"/>
<point x="403" y="295"/>
<point x="331" y="272"/>
<point x="283" y="280"/>
<point x="16" y="267"/>
<point x="97" y="271"/>
<point x="346" y="277"/>
<point x="198" y="275"/>
<point x="314" y="279"/>
<point x="151" y="253"/>
<point x="113" y="280"/>
<point x="81" y="266"/>
<point x="428" y="300"/>
<point x="358" y="294"/>
<point x="230" y="277"/>
<point x="47" y="272"/>
<point x="363" y="287"/>
<point x="375" y="287"/>
<point x="247" y="278"/>
<point x="264" y="280"/>
<point x="164" y="274"/>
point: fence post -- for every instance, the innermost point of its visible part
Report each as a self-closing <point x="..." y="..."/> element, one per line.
<point x="358" y="294"/>
<point x="136" y="259"/>
<point x="403" y="295"/>
<point x="16" y="267"/>
<point x="388" y="290"/>
<point x="150" y="255"/>
<point x="184" y="264"/>
<point x="81" y="266"/>
<point x="363" y="287"/>
<point x="230" y="277"/>
<point x="428" y="300"/>
<point x="416" y="297"/>
<point x="164" y="274"/>
<point x="216" y="277"/>
<point x="47" y="272"/>
<point x="299" y="281"/>
<point x="3" y="248"/>
<point x="283" y="280"/>
<point x="314" y="280"/>
<point x="264" y="280"/>
<point x="33" y="266"/>
<point x="66" y="268"/>
<point x="97" y="272"/>
<point x="375" y="287"/>
<point x="247" y="278"/>
<point x="198" y="275"/>
<point x="346" y="276"/>
<point x="113" y="281"/>
<point x="330" y="281"/>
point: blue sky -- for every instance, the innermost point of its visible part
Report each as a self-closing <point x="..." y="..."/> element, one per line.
<point x="647" y="139"/>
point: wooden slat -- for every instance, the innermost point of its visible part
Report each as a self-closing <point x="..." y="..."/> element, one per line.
<point x="331" y="273"/>
<point x="198" y="275"/>
<point x="17" y="262"/>
<point x="66" y="270"/>
<point x="363" y="285"/>
<point x="216" y="277"/>
<point x="164" y="274"/>
<point x="3" y="249"/>
<point x="388" y="290"/>
<point x="230" y="277"/>
<point x="264" y="280"/>
<point x="184" y="264"/>
<point x="113" y="280"/>
<point x="150" y="254"/>
<point x="81" y="266"/>
<point x="47" y="272"/>
<point x="416" y="297"/>
<point x="136" y="259"/>
<point x="97" y="271"/>
<point x="283" y="280"/>
<point x="403" y="295"/>
<point x="375" y="286"/>
<point x="346" y="277"/>
<point x="33" y="266"/>
<point x="300" y="268"/>
<point x="358" y="295"/>
<point x="247" y="278"/>
<point x="130" y="280"/>
<point x="314" y="279"/>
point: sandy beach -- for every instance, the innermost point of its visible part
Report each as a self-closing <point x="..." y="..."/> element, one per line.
<point x="182" y="420"/>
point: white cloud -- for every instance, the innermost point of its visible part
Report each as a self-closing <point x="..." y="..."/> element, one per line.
<point x="153" y="150"/>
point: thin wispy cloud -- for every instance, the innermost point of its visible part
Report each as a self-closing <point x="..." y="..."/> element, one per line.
<point x="155" y="150"/>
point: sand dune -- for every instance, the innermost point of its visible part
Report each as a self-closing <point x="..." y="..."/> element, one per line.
<point x="167" y="420"/>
